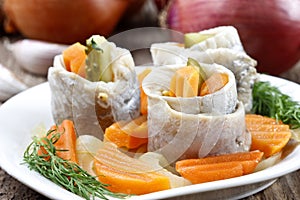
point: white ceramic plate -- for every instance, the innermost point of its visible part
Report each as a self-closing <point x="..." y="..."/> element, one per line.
<point x="22" y="113"/>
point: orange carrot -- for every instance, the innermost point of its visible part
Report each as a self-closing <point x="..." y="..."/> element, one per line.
<point x="219" y="167"/>
<point x="240" y="156"/>
<point x="130" y="135"/>
<point x="214" y="83"/>
<point x="268" y="135"/>
<point x="259" y="119"/>
<point x="125" y="174"/>
<point x="130" y="183"/>
<point x="66" y="143"/>
<point x="185" y="82"/>
<point x="269" y="142"/>
<point x="74" y="58"/>
<point x="143" y="96"/>
<point x="268" y="127"/>
<point x="211" y="172"/>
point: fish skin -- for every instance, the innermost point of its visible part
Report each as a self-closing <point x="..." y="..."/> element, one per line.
<point x="182" y="131"/>
<point x="225" y="48"/>
<point x="77" y="99"/>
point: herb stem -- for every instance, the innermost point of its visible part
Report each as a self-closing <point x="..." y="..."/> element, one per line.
<point x="62" y="172"/>
<point x="269" y="101"/>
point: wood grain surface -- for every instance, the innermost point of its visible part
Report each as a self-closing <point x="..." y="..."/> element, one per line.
<point x="286" y="187"/>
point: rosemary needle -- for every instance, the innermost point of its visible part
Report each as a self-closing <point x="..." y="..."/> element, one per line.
<point x="269" y="101"/>
<point x="62" y="172"/>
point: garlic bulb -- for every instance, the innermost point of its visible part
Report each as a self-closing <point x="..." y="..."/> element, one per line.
<point x="36" y="56"/>
<point x="9" y="84"/>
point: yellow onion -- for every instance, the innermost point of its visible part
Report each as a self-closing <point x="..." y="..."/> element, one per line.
<point x="1" y="15"/>
<point x="269" y="29"/>
<point x="63" y="21"/>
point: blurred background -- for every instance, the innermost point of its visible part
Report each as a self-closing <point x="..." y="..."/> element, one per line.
<point x="269" y="30"/>
<point x="32" y="32"/>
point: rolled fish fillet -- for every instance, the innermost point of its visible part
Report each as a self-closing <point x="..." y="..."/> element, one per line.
<point x="222" y="101"/>
<point x="181" y="128"/>
<point x="223" y="48"/>
<point x="220" y="37"/>
<point x="242" y="66"/>
<point x="93" y="106"/>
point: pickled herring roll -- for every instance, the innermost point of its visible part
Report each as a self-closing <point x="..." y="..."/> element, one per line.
<point x="214" y="38"/>
<point x="185" y="122"/>
<point x="219" y="45"/>
<point x="94" y="85"/>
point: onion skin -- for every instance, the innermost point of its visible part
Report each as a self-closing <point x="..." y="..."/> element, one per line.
<point x="269" y="29"/>
<point x="1" y="17"/>
<point x="63" y="21"/>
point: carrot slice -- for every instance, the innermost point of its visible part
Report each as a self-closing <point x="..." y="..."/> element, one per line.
<point x="130" y="183"/>
<point x="125" y="174"/>
<point x="248" y="160"/>
<point x="74" y="58"/>
<point x="143" y="96"/>
<point x="185" y="82"/>
<point x="268" y="135"/>
<point x="270" y="143"/>
<point x="66" y="141"/>
<point x="214" y="83"/>
<point x="259" y="120"/>
<point x="65" y="144"/>
<point x="269" y="127"/>
<point x="211" y="172"/>
<point x="240" y="156"/>
<point x="130" y="135"/>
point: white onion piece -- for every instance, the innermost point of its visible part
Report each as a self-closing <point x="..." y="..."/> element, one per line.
<point x="268" y="162"/>
<point x="296" y="134"/>
<point x="86" y="149"/>
<point x="159" y="162"/>
<point x="9" y="84"/>
<point x="36" y="56"/>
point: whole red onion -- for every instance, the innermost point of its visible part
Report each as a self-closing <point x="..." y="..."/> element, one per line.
<point x="269" y="29"/>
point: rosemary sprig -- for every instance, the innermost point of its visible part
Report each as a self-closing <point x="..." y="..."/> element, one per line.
<point x="270" y="101"/>
<point x="41" y="156"/>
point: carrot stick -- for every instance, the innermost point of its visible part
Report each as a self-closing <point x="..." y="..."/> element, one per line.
<point x="214" y="83"/>
<point x="130" y="135"/>
<point x="66" y="142"/>
<point x="74" y="58"/>
<point x="143" y="96"/>
<point x="218" y="167"/>
<point x="211" y="172"/>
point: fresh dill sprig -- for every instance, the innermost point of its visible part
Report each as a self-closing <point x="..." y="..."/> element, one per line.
<point x="269" y="101"/>
<point x="41" y="156"/>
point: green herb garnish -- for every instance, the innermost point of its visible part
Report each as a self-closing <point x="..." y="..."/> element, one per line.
<point x="98" y="62"/>
<point x="93" y="45"/>
<point x="62" y="172"/>
<point x="270" y="101"/>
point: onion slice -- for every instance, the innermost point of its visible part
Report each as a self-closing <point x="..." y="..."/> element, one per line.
<point x="86" y="149"/>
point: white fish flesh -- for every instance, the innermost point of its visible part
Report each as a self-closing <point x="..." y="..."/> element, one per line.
<point x="180" y="128"/>
<point x="223" y="48"/>
<point x="93" y="106"/>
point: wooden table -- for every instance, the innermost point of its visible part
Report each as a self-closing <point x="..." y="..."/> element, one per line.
<point x="286" y="187"/>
